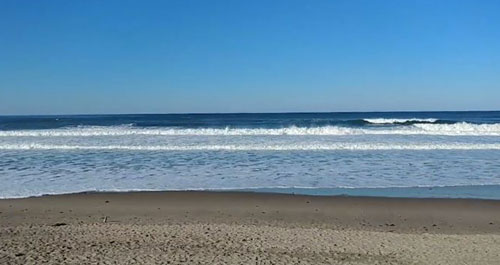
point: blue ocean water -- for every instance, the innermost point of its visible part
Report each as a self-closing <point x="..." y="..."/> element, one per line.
<point x="416" y="154"/>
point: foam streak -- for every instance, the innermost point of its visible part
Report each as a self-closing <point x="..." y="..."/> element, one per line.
<point x="309" y="147"/>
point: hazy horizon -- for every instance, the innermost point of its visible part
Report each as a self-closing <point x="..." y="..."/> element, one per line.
<point x="222" y="113"/>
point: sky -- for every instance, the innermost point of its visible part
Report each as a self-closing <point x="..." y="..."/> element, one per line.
<point x="169" y="56"/>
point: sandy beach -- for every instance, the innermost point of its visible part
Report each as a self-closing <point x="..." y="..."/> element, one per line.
<point x="246" y="228"/>
<point x="250" y="132"/>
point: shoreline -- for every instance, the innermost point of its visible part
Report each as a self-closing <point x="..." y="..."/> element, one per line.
<point x="245" y="227"/>
<point x="473" y="192"/>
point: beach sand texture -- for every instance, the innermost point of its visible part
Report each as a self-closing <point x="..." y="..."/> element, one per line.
<point x="246" y="228"/>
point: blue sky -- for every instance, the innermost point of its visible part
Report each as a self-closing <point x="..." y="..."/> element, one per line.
<point x="67" y="57"/>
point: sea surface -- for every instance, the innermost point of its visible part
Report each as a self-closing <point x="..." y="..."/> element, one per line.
<point x="406" y="154"/>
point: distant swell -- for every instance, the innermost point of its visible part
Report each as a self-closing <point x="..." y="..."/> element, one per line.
<point x="455" y="129"/>
<point x="259" y="147"/>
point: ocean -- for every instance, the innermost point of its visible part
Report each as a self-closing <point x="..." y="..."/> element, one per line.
<point x="404" y="154"/>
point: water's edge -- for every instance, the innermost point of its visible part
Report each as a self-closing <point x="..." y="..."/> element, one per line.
<point x="490" y="192"/>
<point x="480" y="192"/>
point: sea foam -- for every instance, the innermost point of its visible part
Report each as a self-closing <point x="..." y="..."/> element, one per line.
<point x="260" y="147"/>
<point x="456" y="129"/>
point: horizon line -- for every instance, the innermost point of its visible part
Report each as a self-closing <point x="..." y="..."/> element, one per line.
<point x="227" y="113"/>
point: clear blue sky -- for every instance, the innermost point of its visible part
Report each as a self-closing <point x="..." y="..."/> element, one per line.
<point x="66" y="57"/>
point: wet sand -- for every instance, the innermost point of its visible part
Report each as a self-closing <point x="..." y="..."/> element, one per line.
<point x="243" y="228"/>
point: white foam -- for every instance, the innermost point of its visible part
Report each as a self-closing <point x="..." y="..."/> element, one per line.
<point x="392" y="121"/>
<point x="259" y="147"/>
<point x="461" y="128"/>
<point x="457" y="129"/>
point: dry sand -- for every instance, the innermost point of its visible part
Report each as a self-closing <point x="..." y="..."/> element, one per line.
<point x="246" y="228"/>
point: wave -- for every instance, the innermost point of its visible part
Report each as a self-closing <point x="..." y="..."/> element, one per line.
<point x="456" y="129"/>
<point x="400" y="121"/>
<point x="259" y="147"/>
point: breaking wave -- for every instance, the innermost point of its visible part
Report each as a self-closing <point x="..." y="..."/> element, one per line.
<point x="400" y="121"/>
<point x="455" y="129"/>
